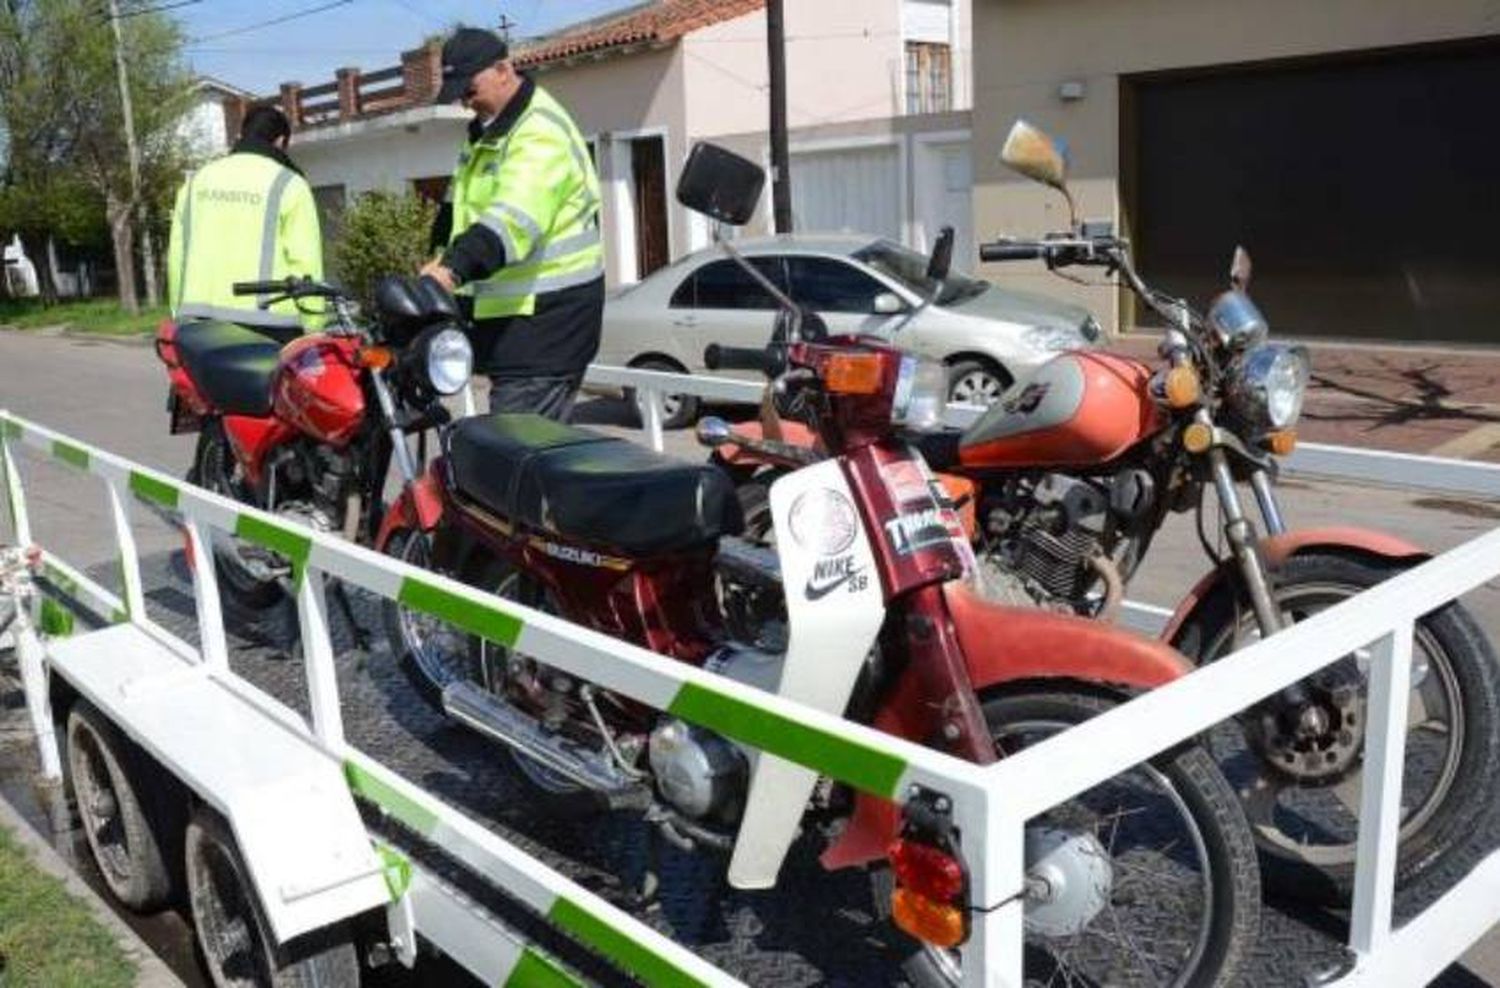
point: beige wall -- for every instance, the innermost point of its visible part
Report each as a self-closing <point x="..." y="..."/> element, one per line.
<point x="1026" y="48"/>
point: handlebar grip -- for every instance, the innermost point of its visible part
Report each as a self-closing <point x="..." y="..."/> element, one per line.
<point x="716" y="357"/>
<point x="1007" y="251"/>
<point x="260" y="287"/>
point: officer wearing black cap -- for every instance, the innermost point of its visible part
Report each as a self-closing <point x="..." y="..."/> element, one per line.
<point x="519" y="234"/>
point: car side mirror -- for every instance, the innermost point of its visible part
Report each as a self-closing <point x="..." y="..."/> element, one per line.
<point x="720" y="184"/>
<point x="888" y="304"/>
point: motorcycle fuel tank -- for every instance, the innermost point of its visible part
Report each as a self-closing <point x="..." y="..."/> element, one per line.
<point x="1077" y="410"/>
<point x="317" y="388"/>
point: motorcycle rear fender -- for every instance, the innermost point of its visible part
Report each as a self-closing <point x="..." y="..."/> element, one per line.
<point x="420" y="506"/>
<point x="1277" y="549"/>
<point x="1003" y="645"/>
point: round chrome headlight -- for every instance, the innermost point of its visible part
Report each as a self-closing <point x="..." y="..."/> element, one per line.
<point x="450" y="361"/>
<point x="1268" y="386"/>
<point x="921" y="394"/>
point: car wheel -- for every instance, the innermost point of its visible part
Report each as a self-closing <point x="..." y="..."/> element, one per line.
<point x="976" y="382"/>
<point x="678" y="410"/>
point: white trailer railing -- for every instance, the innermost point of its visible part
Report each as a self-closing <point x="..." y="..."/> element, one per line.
<point x="991" y="805"/>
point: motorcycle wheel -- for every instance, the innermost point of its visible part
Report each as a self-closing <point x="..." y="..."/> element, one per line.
<point x="251" y="601"/>
<point x="1304" y="813"/>
<point x="1166" y="840"/>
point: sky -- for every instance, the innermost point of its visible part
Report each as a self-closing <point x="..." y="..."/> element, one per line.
<point x="370" y="34"/>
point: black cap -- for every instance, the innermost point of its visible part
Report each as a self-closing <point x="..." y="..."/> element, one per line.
<point x="469" y="52"/>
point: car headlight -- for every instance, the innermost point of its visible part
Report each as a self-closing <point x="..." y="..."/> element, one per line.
<point x="1052" y="339"/>
<point x="1268" y="386"/>
<point x="921" y="394"/>
<point x="450" y="361"/>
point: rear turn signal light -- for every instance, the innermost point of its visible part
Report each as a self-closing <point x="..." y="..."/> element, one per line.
<point x="937" y="923"/>
<point x="852" y="374"/>
<point x="376" y="357"/>
<point x="1282" y="443"/>
<point x="926" y="870"/>
<point x="1181" y="387"/>
<point x="1197" y="437"/>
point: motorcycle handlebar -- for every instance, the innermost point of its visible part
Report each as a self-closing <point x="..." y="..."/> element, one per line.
<point x="1009" y="251"/>
<point x="263" y="287"/>
<point x="716" y="357"/>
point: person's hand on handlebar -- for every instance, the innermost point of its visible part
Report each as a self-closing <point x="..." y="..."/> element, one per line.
<point x="440" y="273"/>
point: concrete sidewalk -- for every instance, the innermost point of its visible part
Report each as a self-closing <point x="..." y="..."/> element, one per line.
<point x="1440" y="401"/>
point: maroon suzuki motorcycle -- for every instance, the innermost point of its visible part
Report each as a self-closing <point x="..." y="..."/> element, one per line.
<point x="1152" y="877"/>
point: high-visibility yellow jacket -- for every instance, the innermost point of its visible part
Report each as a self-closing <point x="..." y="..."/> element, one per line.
<point x="535" y="186"/>
<point x="244" y="217"/>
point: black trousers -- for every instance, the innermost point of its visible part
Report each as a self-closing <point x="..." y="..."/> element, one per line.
<point x="549" y="396"/>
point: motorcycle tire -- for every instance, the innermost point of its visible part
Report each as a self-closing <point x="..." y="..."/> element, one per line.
<point x="260" y="609"/>
<point x="1228" y="916"/>
<point x="1459" y="655"/>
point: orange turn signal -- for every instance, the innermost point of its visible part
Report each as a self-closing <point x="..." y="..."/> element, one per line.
<point x="376" y="357"/>
<point x="852" y="374"/>
<point x="931" y="922"/>
<point x="1197" y="437"/>
<point x="1282" y="443"/>
<point x="1181" y="387"/>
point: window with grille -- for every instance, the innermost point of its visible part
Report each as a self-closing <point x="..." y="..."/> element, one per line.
<point x="929" y="78"/>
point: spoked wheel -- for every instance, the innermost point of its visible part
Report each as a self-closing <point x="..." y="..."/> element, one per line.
<point x="1299" y="771"/>
<point x="1146" y="879"/>
<point x="236" y="939"/>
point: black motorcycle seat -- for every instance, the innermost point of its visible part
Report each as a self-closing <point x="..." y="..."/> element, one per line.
<point x="586" y="486"/>
<point x="939" y="449"/>
<point x="232" y="365"/>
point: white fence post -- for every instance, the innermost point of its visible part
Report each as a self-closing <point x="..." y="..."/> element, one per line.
<point x="20" y="522"/>
<point x="130" y="560"/>
<point x="211" y="638"/>
<point x="993" y="956"/>
<point x="1380" y="797"/>
<point x="650" y="401"/>
<point x="29" y="654"/>
<point x="317" y="653"/>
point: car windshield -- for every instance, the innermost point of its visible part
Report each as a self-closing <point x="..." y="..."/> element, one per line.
<point x="910" y="269"/>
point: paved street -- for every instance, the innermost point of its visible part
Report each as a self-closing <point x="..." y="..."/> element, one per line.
<point x="111" y="394"/>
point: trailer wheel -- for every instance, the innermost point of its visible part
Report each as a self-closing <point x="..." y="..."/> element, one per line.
<point x="127" y="811"/>
<point x="238" y="946"/>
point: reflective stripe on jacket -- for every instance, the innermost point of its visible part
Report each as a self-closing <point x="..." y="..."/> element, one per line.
<point x="536" y="188"/>
<point x="243" y="217"/>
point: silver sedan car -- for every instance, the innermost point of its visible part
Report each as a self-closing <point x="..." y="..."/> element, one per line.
<point x="988" y="336"/>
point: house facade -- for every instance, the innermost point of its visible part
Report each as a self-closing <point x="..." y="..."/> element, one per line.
<point x="1347" y="144"/>
<point x="647" y="83"/>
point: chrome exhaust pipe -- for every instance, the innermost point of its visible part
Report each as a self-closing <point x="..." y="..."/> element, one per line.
<point x="479" y="709"/>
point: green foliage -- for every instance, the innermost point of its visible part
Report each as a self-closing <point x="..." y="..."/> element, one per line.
<point x="382" y="233"/>
<point x="105" y="317"/>
<point x="48" y="939"/>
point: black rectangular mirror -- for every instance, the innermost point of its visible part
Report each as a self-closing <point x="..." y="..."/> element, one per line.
<point x="720" y="184"/>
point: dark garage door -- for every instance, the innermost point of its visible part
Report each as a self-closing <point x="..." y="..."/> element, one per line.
<point x="1367" y="191"/>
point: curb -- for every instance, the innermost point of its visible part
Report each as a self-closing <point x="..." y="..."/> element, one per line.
<point x="151" y="971"/>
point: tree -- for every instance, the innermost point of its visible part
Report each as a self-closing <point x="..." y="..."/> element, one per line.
<point x="60" y="111"/>
<point x="381" y="233"/>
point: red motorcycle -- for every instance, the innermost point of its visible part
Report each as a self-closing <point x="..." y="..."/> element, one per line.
<point x="308" y="430"/>
<point x="883" y="628"/>
<point x="1075" y="471"/>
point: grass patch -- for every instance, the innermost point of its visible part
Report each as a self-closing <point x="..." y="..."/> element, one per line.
<point x="102" y="316"/>
<point x="48" y="939"/>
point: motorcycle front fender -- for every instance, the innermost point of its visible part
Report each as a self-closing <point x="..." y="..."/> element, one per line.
<point x="420" y="506"/>
<point x="1277" y="549"/>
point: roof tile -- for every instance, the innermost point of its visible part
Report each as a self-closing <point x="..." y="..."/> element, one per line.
<point x="650" y="23"/>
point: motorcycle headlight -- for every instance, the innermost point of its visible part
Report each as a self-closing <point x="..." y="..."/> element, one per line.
<point x="1053" y="339"/>
<point x="450" y="361"/>
<point x="1268" y="386"/>
<point x="921" y="394"/>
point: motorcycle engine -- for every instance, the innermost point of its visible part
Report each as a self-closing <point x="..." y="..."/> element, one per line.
<point x="702" y="774"/>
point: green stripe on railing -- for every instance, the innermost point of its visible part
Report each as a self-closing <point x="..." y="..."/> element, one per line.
<point x="534" y="970"/>
<point x="362" y="783"/>
<point x="643" y="962"/>
<point x="10" y="430"/>
<point x="70" y="454"/>
<point x="483" y="621"/>
<point x="269" y="536"/>
<point x="397" y="870"/>
<point x="152" y="489"/>
<point x="861" y="766"/>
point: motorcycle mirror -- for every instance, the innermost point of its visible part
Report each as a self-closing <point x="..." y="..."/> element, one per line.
<point x="720" y="184"/>
<point x="713" y="431"/>
<point x="888" y="304"/>
<point x="1032" y="152"/>
<point x="1239" y="270"/>
<point x="941" y="261"/>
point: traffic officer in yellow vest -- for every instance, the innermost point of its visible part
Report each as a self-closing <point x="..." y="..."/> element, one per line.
<point x="520" y="233"/>
<point x="249" y="216"/>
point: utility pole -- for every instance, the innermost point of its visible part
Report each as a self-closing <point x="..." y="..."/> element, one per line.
<point x="781" y="183"/>
<point x="505" y="25"/>
<point x="137" y="203"/>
